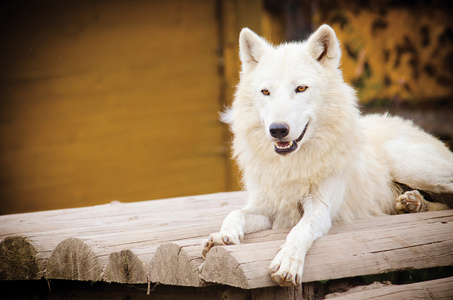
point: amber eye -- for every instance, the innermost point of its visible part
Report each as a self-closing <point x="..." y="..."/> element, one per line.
<point x="265" y="92"/>
<point x="301" y="88"/>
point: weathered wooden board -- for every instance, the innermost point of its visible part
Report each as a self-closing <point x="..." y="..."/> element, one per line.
<point x="433" y="289"/>
<point x="177" y="263"/>
<point x="347" y="252"/>
<point x="106" y="234"/>
<point x="118" y="216"/>
<point x="160" y="241"/>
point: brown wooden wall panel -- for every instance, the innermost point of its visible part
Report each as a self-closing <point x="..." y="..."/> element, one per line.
<point x="108" y="100"/>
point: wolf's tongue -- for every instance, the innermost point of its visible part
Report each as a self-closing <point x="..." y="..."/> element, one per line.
<point x="283" y="144"/>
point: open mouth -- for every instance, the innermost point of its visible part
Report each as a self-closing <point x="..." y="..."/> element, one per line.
<point x="284" y="148"/>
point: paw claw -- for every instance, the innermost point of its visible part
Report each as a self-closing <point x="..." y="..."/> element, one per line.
<point x="219" y="239"/>
<point x="286" y="268"/>
<point x="286" y="276"/>
<point x="204" y="253"/>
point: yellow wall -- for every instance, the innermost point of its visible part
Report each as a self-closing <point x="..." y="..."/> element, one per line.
<point x="109" y="100"/>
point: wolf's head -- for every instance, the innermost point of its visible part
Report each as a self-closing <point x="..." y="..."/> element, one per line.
<point x="287" y="92"/>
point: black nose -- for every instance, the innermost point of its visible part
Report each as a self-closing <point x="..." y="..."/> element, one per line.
<point x="279" y="130"/>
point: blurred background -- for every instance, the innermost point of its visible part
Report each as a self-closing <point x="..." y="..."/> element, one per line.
<point x="119" y="100"/>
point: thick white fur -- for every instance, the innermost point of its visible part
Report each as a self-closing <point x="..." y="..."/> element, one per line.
<point x="344" y="167"/>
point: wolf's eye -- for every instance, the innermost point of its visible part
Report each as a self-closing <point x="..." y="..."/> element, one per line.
<point x="265" y="92"/>
<point x="301" y="88"/>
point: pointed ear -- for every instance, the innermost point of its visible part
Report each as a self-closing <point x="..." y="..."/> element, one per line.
<point x="251" y="48"/>
<point x="324" y="47"/>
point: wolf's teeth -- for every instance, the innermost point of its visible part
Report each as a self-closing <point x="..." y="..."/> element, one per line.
<point x="284" y="147"/>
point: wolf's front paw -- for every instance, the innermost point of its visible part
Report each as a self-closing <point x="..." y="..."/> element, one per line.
<point x="218" y="239"/>
<point x="410" y="202"/>
<point x="286" y="268"/>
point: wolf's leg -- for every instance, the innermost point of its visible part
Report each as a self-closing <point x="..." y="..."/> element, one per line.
<point x="413" y="201"/>
<point x="235" y="225"/>
<point x="419" y="161"/>
<point x="287" y="267"/>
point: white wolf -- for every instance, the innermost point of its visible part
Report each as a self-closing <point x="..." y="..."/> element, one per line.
<point x="309" y="158"/>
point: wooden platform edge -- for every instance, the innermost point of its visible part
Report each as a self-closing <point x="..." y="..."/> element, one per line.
<point x="75" y="259"/>
<point x="125" y="267"/>
<point x="19" y="260"/>
<point x="416" y="245"/>
<point x="431" y="289"/>
<point x="365" y="247"/>
<point x="177" y="263"/>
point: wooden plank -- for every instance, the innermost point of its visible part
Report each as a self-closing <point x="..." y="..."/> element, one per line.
<point x="366" y="224"/>
<point x="163" y="239"/>
<point x="142" y="214"/>
<point x="177" y="263"/>
<point x="413" y="244"/>
<point x="381" y="251"/>
<point x="240" y="265"/>
<point x="128" y="266"/>
<point x="391" y="221"/>
<point x="98" y="251"/>
<point x="48" y="249"/>
<point x="18" y="260"/>
<point x="432" y="289"/>
<point x="38" y="249"/>
<point x="116" y="208"/>
<point x="115" y="234"/>
<point x="85" y="260"/>
<point x="75" y="259"/>
<point x="187" y="252"/>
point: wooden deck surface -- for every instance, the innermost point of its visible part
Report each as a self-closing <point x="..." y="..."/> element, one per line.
<point x="160" y="242"/>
